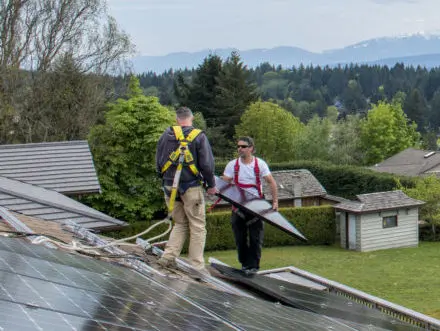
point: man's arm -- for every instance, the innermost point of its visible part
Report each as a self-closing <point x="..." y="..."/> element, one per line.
<point x="226" y="179"/>
<point x="273" y="189"/>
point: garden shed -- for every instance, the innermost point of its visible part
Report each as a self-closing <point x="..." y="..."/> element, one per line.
<point x="379" y="221"/>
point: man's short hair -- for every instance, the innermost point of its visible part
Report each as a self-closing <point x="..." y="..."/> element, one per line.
<point x="247" y="139"/>
<point x="183" y="113"/>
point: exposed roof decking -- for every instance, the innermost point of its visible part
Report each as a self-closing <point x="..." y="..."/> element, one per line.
<point x="46" y="204"/>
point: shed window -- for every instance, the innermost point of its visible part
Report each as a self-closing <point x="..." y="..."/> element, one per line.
<point x="389" y="221"/>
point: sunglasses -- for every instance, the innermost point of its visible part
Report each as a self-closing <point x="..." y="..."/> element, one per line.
<point x="243" y="146"/>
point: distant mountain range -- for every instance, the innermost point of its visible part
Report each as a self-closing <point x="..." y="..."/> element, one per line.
<point x="419" y="49"/>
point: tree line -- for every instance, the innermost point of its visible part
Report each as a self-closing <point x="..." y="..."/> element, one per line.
<point x="305" y="91"/>
<point x="62" y="77"/>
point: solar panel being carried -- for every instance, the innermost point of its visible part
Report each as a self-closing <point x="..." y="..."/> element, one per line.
<point x="256" y="206"/>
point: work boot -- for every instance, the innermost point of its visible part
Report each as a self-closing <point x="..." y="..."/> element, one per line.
<point x="167" y="263"/>
<point x="251" y="271"/>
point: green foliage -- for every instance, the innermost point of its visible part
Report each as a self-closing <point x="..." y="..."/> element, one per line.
<point x="353" y="98"/>
<point x="124" y="152"/>
<point x="426" y="189"/>
<point x="342" y="180"/>
<point x="386" y="132"/>
<point x="199" y="121"/>
<point x="274" y="129"/>
<point x="201" y="92"/>
<point x="345" y="143"/>
<point x="313" y="142"/>
<point x="317" y="224"/>
<point x="234" y="93"/>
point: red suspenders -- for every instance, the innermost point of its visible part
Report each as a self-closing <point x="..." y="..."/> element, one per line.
<point x="257" y="185"/>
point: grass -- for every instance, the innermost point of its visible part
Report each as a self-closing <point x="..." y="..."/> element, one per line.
<point x="409" y="277"/>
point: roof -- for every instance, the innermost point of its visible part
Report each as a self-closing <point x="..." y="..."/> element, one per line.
<point x="410" y="162"/>
<point x="298" y="183"/>
<point x="32" y="200"/>
<point x="379" y="201"/>
<point x="51" y="289"/>
<point x="66" y="167"/>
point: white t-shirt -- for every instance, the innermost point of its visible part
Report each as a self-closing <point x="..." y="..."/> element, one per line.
<point x="246" y="173"/>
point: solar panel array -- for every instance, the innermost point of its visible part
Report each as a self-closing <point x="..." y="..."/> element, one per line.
<point x="45" y="289"/>
<point x="320" y="302"/>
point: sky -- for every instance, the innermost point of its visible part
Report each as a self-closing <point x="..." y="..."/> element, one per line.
<point x="160" y="27"/>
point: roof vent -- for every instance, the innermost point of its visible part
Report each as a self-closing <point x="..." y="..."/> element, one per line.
<point x="428" y="154"/>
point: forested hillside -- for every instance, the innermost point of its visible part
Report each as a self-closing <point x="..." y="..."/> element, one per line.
<point x="330" y="103"/>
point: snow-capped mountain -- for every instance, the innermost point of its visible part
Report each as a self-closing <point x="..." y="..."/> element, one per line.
<point x="418" y="49"/>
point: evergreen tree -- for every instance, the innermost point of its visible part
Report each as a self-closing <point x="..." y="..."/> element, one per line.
<point x="416" y="109"/>
<point x="234" y="94"/>
<point x="200" y="94"/>
<point x="124" y="149"/>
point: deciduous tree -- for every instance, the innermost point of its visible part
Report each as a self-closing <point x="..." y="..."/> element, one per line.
<point x="274" y="129"/>
<point x="386" y="131"/>
<point x="124" y="150"/>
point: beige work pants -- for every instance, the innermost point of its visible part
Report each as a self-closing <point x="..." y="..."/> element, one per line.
<point x="189" y="216"/>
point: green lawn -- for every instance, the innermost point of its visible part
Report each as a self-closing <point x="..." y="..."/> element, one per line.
<point x="406" y="276"/>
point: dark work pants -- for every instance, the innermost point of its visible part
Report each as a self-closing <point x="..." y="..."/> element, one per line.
<point x="249" y="248"/>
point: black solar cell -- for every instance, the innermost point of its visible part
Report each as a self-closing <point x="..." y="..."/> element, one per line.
<point x="320" y="302"/>
<point x="45" y="289"/>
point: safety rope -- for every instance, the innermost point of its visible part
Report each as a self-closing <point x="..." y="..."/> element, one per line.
<point x="77" y="246"/>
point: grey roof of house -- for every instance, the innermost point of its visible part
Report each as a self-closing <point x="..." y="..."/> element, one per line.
<point x="409" y="162"/>
<point x="32" y="200"/>
<point x="378" y="201"/>
<point x="298" y="183"/>
<point x="66" y="167"/>
<point x="292" y="184"/>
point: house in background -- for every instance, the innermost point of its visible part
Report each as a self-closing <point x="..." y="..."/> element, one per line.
<point x="296" y="188"/>
<point x="411" y="162"/>
<point x="299" y="188"/>
<point x="66" y="167"/>
<point x="379" y="221"/>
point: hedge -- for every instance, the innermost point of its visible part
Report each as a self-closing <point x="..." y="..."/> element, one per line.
<point x="317" y="224"/>
<point x="341" y="180"/>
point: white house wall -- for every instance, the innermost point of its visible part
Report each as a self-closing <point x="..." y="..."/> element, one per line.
<point x="343" y="230"/>
<point x="372" y="235"/>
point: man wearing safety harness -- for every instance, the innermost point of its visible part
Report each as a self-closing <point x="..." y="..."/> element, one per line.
<point x="246" y="172"/>
<point x="184" y="160"/>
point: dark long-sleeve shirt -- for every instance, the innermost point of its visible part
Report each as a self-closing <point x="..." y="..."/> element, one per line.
<point x="200" y="150"/>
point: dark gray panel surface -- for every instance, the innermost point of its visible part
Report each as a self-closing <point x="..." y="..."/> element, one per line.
<point x="45" y="289"/>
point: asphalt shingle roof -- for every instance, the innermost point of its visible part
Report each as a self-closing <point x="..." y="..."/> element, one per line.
<point x="32" y="200"/>
<point x="66" y="167"/>
<point x="379" y="201"/>
<point x="410" y="162"/>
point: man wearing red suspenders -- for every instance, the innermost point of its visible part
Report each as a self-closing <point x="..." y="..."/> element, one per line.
<point x="246" y="172"/>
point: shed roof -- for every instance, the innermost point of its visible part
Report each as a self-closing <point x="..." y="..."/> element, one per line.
<point x="32" y="200"/>
<point x="66" y="167"/>
<point x="379" y="201"/>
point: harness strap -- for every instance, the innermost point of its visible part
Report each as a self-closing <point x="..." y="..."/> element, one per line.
<point x="257" y="185"/>
<point x="183" y="144"/>
<point x="181" y="157"/>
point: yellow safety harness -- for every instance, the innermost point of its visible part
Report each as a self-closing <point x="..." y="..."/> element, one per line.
<point x="181" y="157"/>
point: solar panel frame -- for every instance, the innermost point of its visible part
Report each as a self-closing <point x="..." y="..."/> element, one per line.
<point x="256" y="206"/>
